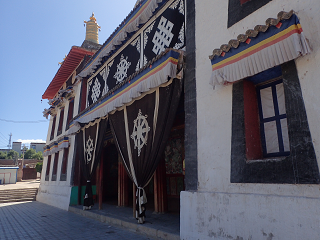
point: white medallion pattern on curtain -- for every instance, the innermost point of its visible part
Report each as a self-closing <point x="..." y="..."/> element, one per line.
<point x="96" y="90"/>
<point x="181" y="6"/>
<point x="163" y="37"/>
<point x="140" y="131"/>
<point x="136" y="43"/>
<point x="89" y="149"/>
<point x="122" y="68"/>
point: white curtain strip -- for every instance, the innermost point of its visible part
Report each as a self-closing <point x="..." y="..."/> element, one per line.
<point x="274" y="55"/>
<point x="132" y="171"/>
<point x="155" y="116"/>
<point x="132" y="27"/>
<point x="95" y="147"/>
<point x="155" y="80"/>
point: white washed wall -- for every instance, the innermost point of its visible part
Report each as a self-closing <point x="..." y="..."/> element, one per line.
<point x="57" y="193"/>
<point x="248" y="211"/>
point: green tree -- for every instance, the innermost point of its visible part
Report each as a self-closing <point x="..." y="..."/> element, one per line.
<point x="29" y="154"/>
<point x="38" y="156"/>
<point x="12" y="154"/>
<point x="3" y="155"/>
<point x="39" y="167"/>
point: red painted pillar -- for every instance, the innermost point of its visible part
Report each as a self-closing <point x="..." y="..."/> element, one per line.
<point x="122" y="186"/>
<point x="160" y="190"/>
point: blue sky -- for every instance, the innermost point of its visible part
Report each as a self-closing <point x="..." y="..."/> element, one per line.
<point x="35" y="36"/>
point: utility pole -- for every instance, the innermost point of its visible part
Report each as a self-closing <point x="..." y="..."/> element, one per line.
<point x="9" y="145"/>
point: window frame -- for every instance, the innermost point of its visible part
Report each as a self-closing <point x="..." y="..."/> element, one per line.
<point x="61" y="117"/>
<point x="48" y="168"/>
<point x="70" y="112"/>
<point x="64" y="165"/>
<point x="277" y="118"/>
<point x="55" y="167"/>
<point x="301" y="166"/>
<point x="238" y="11"/>
<point x="53" y="127"/>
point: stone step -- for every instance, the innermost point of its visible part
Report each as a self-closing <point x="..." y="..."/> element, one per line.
<point x="18" y="200"/>
<point x="18" y="195"/>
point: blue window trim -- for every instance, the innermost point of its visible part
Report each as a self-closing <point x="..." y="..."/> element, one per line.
<point x="276" y="118"/>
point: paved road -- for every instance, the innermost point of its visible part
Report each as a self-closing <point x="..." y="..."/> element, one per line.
<point x="35" y="220"/>
<point x="23" y="184"/>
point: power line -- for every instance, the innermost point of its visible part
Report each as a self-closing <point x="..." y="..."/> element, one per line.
<point x="1" y="141"/>
<point x="3" y="137"/>
<point x="13" y="121"/>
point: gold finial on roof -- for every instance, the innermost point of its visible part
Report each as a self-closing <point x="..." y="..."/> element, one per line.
<point x="93" y="18"/>
<point x="92" y="29"/>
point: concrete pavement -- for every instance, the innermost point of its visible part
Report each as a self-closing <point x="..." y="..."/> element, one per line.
<point x="35" y="220"/>
<point x="22" y="184"/>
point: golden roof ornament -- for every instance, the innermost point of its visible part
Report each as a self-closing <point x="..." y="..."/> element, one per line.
<point x="92" y="29"/>
<point x="65" y="56"/>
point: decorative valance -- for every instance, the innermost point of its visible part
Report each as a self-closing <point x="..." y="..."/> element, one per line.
<point x="159" y="72"/>
<point x="57" y="101"/>
<point x="56" y="146"/>
<point x="139" y="15"/>
<point x="261" y="48"/>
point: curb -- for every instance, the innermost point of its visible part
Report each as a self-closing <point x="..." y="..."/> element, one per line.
<point x="138" y="228"/>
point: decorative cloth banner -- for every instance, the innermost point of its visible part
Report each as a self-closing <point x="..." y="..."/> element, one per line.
<point x="89" y="145"/>
<point x="63" y="143"/>
<point x="152" y="77"/>
<point x="140" y="131"/>
<point x="46" y="151"/>
<point x="56" y="146"/>
<point x="138" y="16"/>
<point x="277" y="45"/>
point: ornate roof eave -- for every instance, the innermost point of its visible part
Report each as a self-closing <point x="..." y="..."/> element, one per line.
<point x="234" y="43"/>
<point x="71" y="62"/>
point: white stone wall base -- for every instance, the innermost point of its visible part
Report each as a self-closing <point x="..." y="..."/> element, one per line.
<point x="209" y="215"/>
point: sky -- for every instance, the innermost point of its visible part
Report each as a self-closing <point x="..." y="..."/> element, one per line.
<point x="35" y="35"/>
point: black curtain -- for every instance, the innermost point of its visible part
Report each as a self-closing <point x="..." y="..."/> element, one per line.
<point x="89" y="145"/>
<point x="140" y="131"/>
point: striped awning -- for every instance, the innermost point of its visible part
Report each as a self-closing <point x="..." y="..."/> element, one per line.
<point x="264" y="47"/>
<point x="56" y="146"/>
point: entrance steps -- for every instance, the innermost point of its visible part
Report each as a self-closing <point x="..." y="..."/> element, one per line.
<point x="157" y="226"/>
<point x="18" y="195"/>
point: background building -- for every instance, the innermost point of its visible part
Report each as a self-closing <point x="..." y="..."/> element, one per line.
<point x="37" y="146"/>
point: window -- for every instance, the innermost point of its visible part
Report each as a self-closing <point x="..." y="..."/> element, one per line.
<point x="60" y="121"/>
<point x="53" y="127"/>
<point x="55" y="167"/>
<point x="271" y="138"/>
<point x="265" y="119"/>
<point x="273" y="119"/>
<point x="239" y="9"/>
<point x="63" y="176"/>
<point x="70" y="112"/>
<point x="83" y="96"/>
<point x="48" y="168"/>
